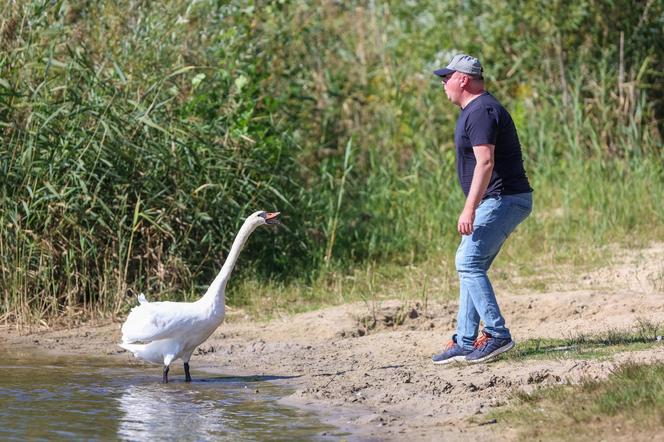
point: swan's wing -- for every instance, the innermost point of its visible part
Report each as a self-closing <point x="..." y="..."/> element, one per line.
<point x="142" y="299"/>
<point x="152" y="321"/>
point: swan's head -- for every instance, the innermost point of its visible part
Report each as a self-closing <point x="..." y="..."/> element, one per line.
<point x="262" y="217"/>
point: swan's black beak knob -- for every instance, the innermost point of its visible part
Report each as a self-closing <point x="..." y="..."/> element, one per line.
<point x="272" y="218"/>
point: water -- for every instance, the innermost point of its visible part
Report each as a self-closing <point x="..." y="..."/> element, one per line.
<point x="58" y="398"/>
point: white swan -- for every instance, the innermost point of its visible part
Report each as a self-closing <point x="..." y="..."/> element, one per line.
<point x="161" y="332"/>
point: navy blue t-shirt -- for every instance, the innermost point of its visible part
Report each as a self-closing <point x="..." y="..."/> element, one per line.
<point x="485" y="121"/>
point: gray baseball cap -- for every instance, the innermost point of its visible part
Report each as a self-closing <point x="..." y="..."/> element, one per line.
<point x="462" y="63"/>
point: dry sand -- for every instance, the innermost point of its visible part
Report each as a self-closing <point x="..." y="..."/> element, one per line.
<point x="379" y="383"/>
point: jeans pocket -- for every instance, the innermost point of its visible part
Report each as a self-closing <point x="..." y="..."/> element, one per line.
<point x="523" y="208"/>
<point x="515" y="211"/>
<point x="521" y="203"/>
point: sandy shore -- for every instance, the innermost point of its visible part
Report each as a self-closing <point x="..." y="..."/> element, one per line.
<point x="378" y="382"/>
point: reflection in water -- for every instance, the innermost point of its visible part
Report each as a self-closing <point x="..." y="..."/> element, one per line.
<point x="76" y="398"/>
<point x="232" y="408"/>
<point x="161" y="411"/>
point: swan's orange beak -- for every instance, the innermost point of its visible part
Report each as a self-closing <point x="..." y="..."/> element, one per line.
<point x="272" y="218"/>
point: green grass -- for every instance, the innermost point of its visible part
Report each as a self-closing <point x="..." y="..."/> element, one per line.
<point x="432" y="281"/>
<point x="642" y="335"/>
<point x="628" y="405"/>
<point x="137" y="138"/>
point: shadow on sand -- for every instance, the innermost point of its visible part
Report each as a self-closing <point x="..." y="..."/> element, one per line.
<point x="245" y="379"/>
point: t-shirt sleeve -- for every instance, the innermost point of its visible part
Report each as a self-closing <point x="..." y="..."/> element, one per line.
<point x="482" y="126"/>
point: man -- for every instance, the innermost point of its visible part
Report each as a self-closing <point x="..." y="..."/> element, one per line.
<point x="498" y="198"/>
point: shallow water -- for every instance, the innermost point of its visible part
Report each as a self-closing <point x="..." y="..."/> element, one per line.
<point x="78" y="398"/>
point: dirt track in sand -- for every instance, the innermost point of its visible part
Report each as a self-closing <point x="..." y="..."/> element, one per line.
<point x="366" y="367"/>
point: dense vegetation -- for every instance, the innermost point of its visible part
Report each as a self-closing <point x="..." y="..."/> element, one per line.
<point x="137" y="137"/>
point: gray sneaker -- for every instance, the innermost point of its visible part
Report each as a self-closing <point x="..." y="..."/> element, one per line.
<point x="452" y="352"/>
<point x="487" y="348"/>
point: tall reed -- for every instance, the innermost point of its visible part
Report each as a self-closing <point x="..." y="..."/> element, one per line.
<point x="136" y="138"/>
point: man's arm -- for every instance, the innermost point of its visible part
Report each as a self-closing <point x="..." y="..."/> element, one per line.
<point x="481" y="177"/>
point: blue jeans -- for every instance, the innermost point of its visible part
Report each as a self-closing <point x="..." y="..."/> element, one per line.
<point x="495" y="219"/>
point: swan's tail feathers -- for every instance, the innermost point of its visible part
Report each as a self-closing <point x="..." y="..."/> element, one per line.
<point x="142" y="299"/>
<point x="155" y="352"/>
<point x="136" y="349"/>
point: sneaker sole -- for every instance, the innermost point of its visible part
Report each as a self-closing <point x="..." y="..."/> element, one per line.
<point x="450" y="360"/>
<point x="493" y="355"/>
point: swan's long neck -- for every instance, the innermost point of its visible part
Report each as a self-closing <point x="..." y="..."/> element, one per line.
<point x="216" y="292"/>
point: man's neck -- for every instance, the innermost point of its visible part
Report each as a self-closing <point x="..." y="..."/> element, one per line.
<point x="468" y="97"/>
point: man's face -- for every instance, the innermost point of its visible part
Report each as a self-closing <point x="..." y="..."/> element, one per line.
<point x="452" y="86"/>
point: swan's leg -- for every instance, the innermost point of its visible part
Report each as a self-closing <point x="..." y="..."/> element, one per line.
<point x="187" y="377"/>
<point x="164" y="380"/>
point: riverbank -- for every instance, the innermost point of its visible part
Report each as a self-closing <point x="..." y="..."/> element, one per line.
<point x="366" y="366"/>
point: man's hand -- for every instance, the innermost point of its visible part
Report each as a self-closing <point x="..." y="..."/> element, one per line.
<point x="465" y="223"/>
